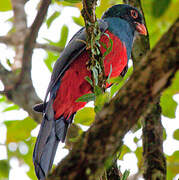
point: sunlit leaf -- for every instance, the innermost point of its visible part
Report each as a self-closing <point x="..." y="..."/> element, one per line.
<point x="52" y="18"/>
<point x="172" y="165"/>
<point x="51" y="58"/>
<point x="78" y="20"/>
<point x="3" y="98"/>
<point x="63" y="38"/>
<point x="19" y="130"/>
<point x="167" y="102"/>
<point x="119" y="82"/>
<point x="157" y="26"/>
<point x="176" y="134"/>
<point x="138" y="153"/>
<point x="28" y="157"/>
<point x="168" y="105"/>
<point x="101" y="99"/>
<point x="5" y="5"/>
<point x="85" y="116"/>
<point x="125" y="150"/>
<point x="164" y="134"/>
<point x="10" y="108"/>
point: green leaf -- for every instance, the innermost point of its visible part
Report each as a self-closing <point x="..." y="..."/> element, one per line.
<point x="109" y="49"/>
<point x="85" y="116"/>
<point x="95" y="75"/>
<point x="19" y="130"/>
<point x="78" y="20"/>
<point x="125" y="175"/>
<point x="164" y="134"/>
<point x="172" y="165"/>
<point x="166" y="101"/>
<point x="125" y="150"/>
<point x="121" y="81"/>
<point x="86" y="98"/>
<point x="157" y="26"/>
<point x="168" y="105"/>
<point x="159" y="7"/>
<point x="51" y="58"/>
<point x="73" y="1"/>
<point x="10" y="108"/>
<point x="5" y="5"/>
<point x="3" y="99"/>
<point x="101" y="99"/>
<point x="138" y="153"/>
<point x="108" y="162"/>
<point x="176" y="134"/>
<point x="89" y="80"/>
<point x="63" y="38"/>
<point x="136" y="140"/>
<point x="52" y="18"/>
<point x="97" y="90"/>
<point x="4" y="169"/>
<point x="109" y="75"/>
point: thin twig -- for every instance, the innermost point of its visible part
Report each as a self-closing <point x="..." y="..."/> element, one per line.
<point x="8" y="40"/>
<point x="49" y="47"/>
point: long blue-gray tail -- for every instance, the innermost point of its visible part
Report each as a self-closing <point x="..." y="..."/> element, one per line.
<point x="50" y="134"/>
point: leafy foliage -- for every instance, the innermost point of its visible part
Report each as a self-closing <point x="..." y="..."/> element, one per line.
<point x="5" y="5"/>
<point x="167" y="102"/>
<point x="24" y="127"/>
<point x="159" y="16"/>
<point x="85" y="116"/>
<point x="52" y="18"/>
<point x="4" y="169"/>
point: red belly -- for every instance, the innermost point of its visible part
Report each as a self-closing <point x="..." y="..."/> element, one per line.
<point x="73" y="85"/>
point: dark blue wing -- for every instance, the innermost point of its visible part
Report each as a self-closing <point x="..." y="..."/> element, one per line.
<point x="74" y="48"/>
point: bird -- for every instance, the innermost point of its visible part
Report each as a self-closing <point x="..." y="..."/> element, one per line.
<point x="120" y="23"/>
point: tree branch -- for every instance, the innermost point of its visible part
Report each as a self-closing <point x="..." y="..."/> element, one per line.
<point x="8" y="40"/>
<point x="30" y="39"/>
<point x="49" y="47"/>
<point x="117" y="117"/>
<point x="154" y="159"/>
<point x="20" y="24"/>
<point x="19" y="89"/>
<point x="152" y="119"/>
<point x="92" y="29"/>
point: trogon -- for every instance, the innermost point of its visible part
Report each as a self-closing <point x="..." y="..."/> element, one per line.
<point x="67" y="84"/>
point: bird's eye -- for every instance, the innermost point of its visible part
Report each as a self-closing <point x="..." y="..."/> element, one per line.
<point x="134" y="14"/>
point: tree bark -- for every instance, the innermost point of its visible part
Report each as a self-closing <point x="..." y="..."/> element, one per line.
<point x="154" y="159"/>
<point x="18" y="87"/>
<point x="99" y="144"/>
<point x="152" y="117"/>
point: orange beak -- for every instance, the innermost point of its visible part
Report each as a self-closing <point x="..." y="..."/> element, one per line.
<point x="141" y="28"/>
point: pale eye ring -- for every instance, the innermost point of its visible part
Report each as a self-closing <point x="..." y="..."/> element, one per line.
<point x="134" y="14"/>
